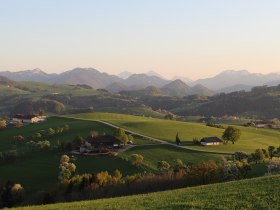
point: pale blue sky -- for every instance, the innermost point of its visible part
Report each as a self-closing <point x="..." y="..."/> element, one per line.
<point x="193" y="38"/>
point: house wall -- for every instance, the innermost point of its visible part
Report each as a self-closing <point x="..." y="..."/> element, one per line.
<point x="209" y="144"/>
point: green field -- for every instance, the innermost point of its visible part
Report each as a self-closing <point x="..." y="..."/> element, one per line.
<point x="155" y="153"/>
<point x="250" y="140"/>
<point x="258" y="193"/>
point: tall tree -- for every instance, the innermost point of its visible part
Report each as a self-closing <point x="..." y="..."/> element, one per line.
<point x="231" y="134"/>
<point x="271" y="151"/>
<point x="178" y="140"/>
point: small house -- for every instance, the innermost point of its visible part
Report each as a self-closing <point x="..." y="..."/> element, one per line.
<point x="211" y="141"/>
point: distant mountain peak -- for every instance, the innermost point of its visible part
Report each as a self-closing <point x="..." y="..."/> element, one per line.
<point x="177" y="83"/>
<point x="125" y="74"/>
<point x="153" y="73"/>
<point x="184" y="79"/>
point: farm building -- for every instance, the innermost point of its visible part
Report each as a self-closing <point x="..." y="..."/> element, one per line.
<point x="25" y="118"/>
<point x="106" y="141"/>
<point x="211" y="141"/>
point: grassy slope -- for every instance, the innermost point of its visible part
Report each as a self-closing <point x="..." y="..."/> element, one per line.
<point x="251" y="138"/>
<point x="155" y="153"/>
<point x="244" y="194"/>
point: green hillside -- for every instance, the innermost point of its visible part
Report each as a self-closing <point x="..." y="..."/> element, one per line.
<point x="250" y="140"/>
<point x="39" y="170"/>
<point x="244" y="194"/>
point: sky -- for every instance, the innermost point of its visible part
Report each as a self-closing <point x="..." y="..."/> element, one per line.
<point x="191" y="38"/>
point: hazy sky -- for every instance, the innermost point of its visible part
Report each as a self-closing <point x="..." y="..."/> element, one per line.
<point x="192" y="38"/>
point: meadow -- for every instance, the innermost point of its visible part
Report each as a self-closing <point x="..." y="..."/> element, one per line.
<point x="250" y="139"/>
<point x="244" y="194"/>
<point x="154" y="153"/>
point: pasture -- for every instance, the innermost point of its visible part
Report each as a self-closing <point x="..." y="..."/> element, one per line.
<point x="251" y="138"/>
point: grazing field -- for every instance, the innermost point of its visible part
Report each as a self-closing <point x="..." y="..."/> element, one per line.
<point x="39" y="170"/>
<point x="250" y="140"/>
<point x="244" y="194"/>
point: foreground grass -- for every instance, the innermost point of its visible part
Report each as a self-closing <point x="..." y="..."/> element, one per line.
<point x="250" y="140"/>
<point x="258" y="193"/>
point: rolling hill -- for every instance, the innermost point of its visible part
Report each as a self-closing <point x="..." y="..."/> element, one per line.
<point x="177" y="88"/>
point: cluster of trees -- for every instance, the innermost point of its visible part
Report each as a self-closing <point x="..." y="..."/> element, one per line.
<point x="258" y="156"/>
<point x="210" y="124"/>
<point x="39" y="145"/>
<point x="37" y="140"/>
<point x="234" y="170"/>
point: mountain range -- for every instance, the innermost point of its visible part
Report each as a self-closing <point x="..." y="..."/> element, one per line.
<point x="227" y="81"/>
<point x="235" y="78"/>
